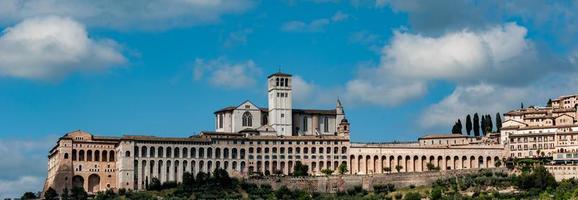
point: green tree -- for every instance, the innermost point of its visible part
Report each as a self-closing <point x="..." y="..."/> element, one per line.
<point x="521" y="105"/>
<point x="78" y="193"/>
<point x="483" y="125"/>
<point x="300" y="169"/>
<point x="432" y="167"/>
<point x="498" y="122"/>
<point x="387" y="169"/>
<point x="188" y="180"/>
<point x="342" y="169"/>
<point x="490" y="125"/>
<point x="107" y="195"/>
<point x="154" y="185"/>
<point x="31" y="195"/>
<point x="65" y="194"/>
<point x="498" y="163"/>
<point x="436" y="193"/>
<point x="468" y="124"/>
<point x="549" y="104"/>
<point x="476" y="125"/>
<point x="221" y="176"/>
<point x="412" y="196"/>
<point x="398" y="168"/>
<point x="327" y="172"/>
<point x="50" y="194"/>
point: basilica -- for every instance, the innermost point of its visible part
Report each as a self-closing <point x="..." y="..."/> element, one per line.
<point x="249" y="139"/>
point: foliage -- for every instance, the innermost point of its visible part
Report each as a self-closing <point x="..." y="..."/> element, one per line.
<point x="155" y="184"/>
<point x="31" y="195"/>
<point x="412" y="196"/>
<point x="387" y="169"/>
<point x="398" y="168"/>
<point x="432" y="167"/>
<point x="498" y="163"/>
<point x="398" y="195"/>
<point x="539" y="179"/>
<point x="108" y="194"/>
<point x="300" y="169"/>
<point x="468" y="124"/>
<point x="327" y="172"/>
<point x="436" y="193"/>
<point x="342" y="169"/>
<point x="78" y="193"/>
<point x="498" y="122"/>
<point x="476" y="125"/>
<point x="66" y="195"/>
<point x="457" y="128"/>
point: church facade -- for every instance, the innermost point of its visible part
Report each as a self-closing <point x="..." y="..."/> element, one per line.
<point x="249" y="139"/>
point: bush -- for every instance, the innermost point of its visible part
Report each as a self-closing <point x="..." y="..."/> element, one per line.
<point x="398" y="196"/>
<point x="412" y="196"/>
<point x="412" y="186"/>
<point x="436" y="193"/>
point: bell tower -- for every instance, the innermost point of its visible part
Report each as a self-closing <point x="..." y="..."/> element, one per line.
<point x="280" y="108"/>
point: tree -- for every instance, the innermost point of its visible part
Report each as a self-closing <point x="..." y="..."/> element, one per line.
<point x="398" y="168"/>
<point x="31" y="195"/>
<point x="498" y="163"/>
<point x="342" y="169"/>
<point x="327" y="172"/>
<point x="412" y="196"/>
<point x="460" y="126"/>
<point x="490" y="125"/>
<point x="65" y="194"/>
<point x="549" y="104"/>
<point x="78" y="193"/>
<point x="521" y="105"/>
<point x="300" y="169"/>
<point x="188" y="180"/>
<point x="476" y="125"/>
<point x="222" y="177"/>
<point x="483" y="125"/>
<point x="50" y="194"/>
<point x="155" y="184"/>
<point x="436" y="193"/>
<point x="387" y="169"/>
<point x="432" y="167"/>
<point x="498" y="122"/>
<point x="468" y="124"/>
<point x="455" y="128"/>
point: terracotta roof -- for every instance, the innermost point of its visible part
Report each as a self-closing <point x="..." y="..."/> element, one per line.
<point x="435" y="136"/>
<point x="164" y="139"/>
<point x="279" y="74"/>
<point x="298" y="111"/>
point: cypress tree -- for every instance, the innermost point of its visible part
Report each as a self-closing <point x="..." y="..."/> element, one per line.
<point x="498" y="122"/>
<point x="459" y="126"/>
<point x="476" y="125"/>
<point x="549" y="104"/>
<point x="490" y="126"/>
<point x="468" y="124"/>
<point x="521" y="104"/>
<point x="483" y="125"/>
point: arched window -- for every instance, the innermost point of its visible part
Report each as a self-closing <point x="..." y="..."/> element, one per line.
<point x="66" y="156"/>
<point x="326" y="124"/>
<point x="111" y="156"/>
<point x="126" y="154"/>
<point x="74" y="156"/>
<point x="247" y="119"/>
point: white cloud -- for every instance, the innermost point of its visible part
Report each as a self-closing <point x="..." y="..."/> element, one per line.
<point x="411" y="61"/>
<point x="51" y="47"/>
<point x="316" y="25"/>
<point x="237" y="38"/>
<point x="149" y="14"/>
<point x="22" y="165"/>
<point x="222" y="73"/>
<point x="302" y="90"/>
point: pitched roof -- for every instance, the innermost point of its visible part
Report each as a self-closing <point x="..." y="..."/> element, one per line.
<point x="298" y="111"/>
<point x="279" y="74"/>
<point x="436" y="136"/>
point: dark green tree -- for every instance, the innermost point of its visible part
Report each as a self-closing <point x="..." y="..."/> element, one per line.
<point x="50" y="194"/>
<point x="476" y="125"/>
<point x="202" y="178"/>
<point x="468" y="124"/>
<point x="436" y="193"/>
<point x="490" y="125"/>
<point x="222" y="178"/>
<point x="65" y="194"/>
<point x="483" y="125"/>
<point x="460" y="127"/>
<point x="78" y="193"/>
<point x="498" y="122"/>
<point x="155" y="184"/>
<point x="342" y="169"/>
<point x="188" y="180"/>
<point x="412" y="196"/>
<point x="31" y="195"/>
<point x="300" y="169"/>
<point x="455" y="128"/>
<point x="549" y="104"/>
<point x="521" y="105"/>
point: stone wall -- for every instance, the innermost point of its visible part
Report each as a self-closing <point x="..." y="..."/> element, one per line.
<point x="333" y="184"/>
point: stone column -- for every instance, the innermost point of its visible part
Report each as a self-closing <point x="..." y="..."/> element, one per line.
<point x="146" y="174"/>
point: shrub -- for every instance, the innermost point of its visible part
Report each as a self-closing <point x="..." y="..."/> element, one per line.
<point x="412" y="196"/>
<point x="398" y="196"/>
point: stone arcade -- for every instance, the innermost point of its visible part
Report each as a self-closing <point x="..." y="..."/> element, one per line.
<point x="248" y="138"/>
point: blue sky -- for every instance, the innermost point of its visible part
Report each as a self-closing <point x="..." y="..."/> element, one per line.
<point x="402" y="68"/>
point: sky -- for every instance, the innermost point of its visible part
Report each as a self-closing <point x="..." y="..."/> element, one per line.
<point x="402" y="69"/>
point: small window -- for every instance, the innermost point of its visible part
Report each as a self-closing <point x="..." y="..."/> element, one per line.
<point x="66" y="156"/>
<point x="127" y="154"/>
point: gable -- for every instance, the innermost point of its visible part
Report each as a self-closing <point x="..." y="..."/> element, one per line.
<point x="247" y="105"/>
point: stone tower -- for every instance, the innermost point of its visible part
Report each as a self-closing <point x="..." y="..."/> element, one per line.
<point x="280" y="103"/>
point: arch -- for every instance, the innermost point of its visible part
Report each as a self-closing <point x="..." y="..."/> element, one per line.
<point x="234" y="166"/>
<point x="193" y="152"/>
<point x="376" y="164"/>
<point x="177" y="152"/>
<point x="391" y="163"/>
<point x="209" y="166"/>
<point x="242" y="154"/>
<point x="351" y="159"/>
<point x="242" y="167"/>
<point x="399" y="162"/>
<point x="185" y="152"/>
<point x="328" y="150"/>
<point x="464" y="162"/>
<point x="305" y="150"/>
<point x="201" y="152"/>
<point x="335" y="150"/>
<point x="193" y="169"/>
<point x="97" y="155"/>
<point x="93" y="183"/>
<point x="143" y="152"/>
<point x="456" y="162"/>
<point x="414" y="164"/>
<point x="160" y="170"/>
<point x="201" y="165"/>
<point x="111" y="156"/>
<point x="218" y="153"/>
<point x="247" y="119"/>
<point x="472" y="162"/>
<point x="407" y="164"/>
<point x="136" y="150"/>
<point x="367" y="164"/>
<point x="225" y="153"/>
<point x="89" y="155"/>
<point x="160" y="154"/>
<point x="321" y="150"/>
<point x="343" y="150"/>
<point x="423" y="163"/>
<point x="152" y="152"/>
<point x="359" y="164"/>
<point x="383" y="164"/>
<point x="169" y="152"/>
<point x="439" y="163"/>
<point x="488" y="162"/>
<point x="234" y="153"/>
<point x="65" y="155"/>
<point x="78" y="181"/>
<point x="217" y="164"/>
<point x="480" y="162"/>
<point x="448" y="164"/>
<point x="209" y="152"/>
<point x="104" y="156"/>
<point x="74" y="156"/>
<point x="127" y="154"/>
<point x="226" y="165"/>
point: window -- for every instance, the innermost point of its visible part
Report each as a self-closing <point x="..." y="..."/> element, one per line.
<point x="220" y="120"/>
<point x="305" y="124"/>
<point x="247" y="119"/>
<point x="326" y="124"/>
